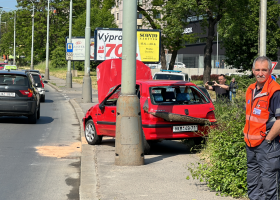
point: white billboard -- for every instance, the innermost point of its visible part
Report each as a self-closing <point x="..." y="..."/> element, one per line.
<point x="108" y="44"/>
<point x="79" y="48"/>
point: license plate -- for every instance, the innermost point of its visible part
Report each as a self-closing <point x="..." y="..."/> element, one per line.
<point x="187" y="128"/>
<point x="7" y="94"/>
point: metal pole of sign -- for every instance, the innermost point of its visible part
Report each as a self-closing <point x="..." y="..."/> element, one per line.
<point x="1" y="10"/>
<point x="263" y="28"/>
<point x="87" y="88"/>
<point x="129" y="137"/>
<point x="68" y="73"/>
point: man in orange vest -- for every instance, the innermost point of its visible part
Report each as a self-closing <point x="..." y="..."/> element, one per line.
<point x="261" y="133"/>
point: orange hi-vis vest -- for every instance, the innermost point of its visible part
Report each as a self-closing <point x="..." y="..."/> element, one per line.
<point x="257" y="113"/>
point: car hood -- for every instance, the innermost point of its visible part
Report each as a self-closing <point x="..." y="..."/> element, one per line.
<point x="109" y="74"/>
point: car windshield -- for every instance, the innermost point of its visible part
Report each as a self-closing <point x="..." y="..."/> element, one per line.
<point x="37" y="79"/>
<point x="177" y="95"/>
<point x="168" y="77"/>
<point x="10" y="79"/>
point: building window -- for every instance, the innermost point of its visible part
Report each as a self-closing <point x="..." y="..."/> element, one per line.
<point x="139" y="26"/>
<point x="139" y="15"/>
<point x="117" y="16"/>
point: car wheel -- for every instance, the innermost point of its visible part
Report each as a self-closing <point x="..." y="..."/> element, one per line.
<point x="91" y="135"/>
<point x="38" y="112"/>
<point x="43" y="98"/>
<point x="32" y="119"/>
<point x="147" y="147"/>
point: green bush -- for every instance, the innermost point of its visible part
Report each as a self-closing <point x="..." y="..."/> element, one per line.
<point x="58" y="57"/>
<point x="223" y="165"/>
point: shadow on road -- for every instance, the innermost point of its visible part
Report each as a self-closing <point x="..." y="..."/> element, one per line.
<point x="48" y="101"/>
<point x="159" y="151"/>
<point x="24" y="120"/>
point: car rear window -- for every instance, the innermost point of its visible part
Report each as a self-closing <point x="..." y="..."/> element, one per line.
<point x="12" y="79"/>
<point x="168" y="77"/>
<point x="37" y="80"/>
<point x="177" y="95"/>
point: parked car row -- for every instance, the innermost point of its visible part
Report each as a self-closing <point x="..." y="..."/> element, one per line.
<point x="21" y="93"/>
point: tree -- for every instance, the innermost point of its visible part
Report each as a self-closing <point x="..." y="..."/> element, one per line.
<point x="213" y="11"/>
<point x="172" y="23"/>
<point x="240" y="32"/>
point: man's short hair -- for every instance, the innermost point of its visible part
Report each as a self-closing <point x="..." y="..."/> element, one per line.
<point x="261" y="59"/>
<point x="222" y="75"/>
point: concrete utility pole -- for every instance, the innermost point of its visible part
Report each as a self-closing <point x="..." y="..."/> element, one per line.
<point x="14" y="61"/>
<point x="47" y="77"/>
<point x="217" y="47"/>
<point x="129" y="139"/>
<point x="32" y="45"/>
<point x="69" y="74"/>
<point x="263" y="27"/>
<point x="87" y="91"/>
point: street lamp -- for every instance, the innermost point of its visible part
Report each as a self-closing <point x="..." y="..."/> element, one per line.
<point x="1" y="10"/>
<point x="14" y="61"/>
<point x="47" y="77"/>
<point x="69" y="74"/>
<point x="32" y="47"/>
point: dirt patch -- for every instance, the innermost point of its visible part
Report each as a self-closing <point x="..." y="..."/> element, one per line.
<point x="59" y="151"/>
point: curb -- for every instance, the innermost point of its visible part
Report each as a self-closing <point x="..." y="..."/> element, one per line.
<point x="88" y="175"/>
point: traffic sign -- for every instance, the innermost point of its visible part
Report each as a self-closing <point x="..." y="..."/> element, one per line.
<point x="69" y="47"/>
<point x="69" y="55"/>
<point x="274" y="65"/>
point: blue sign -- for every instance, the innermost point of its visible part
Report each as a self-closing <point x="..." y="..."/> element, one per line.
<point x="69" y="47"/>
<point x="273" y="77"/>
<point x="217" y="64"/>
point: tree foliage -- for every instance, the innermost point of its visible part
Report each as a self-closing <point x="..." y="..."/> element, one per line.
<point x="239" y="31"/>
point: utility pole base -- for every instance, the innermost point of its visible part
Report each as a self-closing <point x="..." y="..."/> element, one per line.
<point x="87" y="89"/>
<point x="47" y="76"/>
<point x="129" y="150"/>
<point x="69" y="79"/>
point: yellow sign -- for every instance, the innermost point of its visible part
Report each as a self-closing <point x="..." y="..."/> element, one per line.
<point x="149" y="45"/>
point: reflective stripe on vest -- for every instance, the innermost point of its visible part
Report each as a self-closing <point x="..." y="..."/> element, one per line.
<point x="257" y="113"/>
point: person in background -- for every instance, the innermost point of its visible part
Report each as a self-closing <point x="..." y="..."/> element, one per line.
<point x="261" y="133"/>
<point x="221" y="89"/>
<point x="233" y="86"/>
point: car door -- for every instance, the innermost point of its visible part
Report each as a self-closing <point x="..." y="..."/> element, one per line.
<point x="106" y="117"/>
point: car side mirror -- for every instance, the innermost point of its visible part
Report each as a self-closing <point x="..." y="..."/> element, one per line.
<point x="101" y="106"/>
<point x="43" y="76"/>
<point x="36" y="84"/>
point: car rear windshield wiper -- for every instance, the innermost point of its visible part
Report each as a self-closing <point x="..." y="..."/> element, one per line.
<point x="3" y="84"/>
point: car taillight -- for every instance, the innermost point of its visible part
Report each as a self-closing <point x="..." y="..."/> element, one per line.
<point x="152" y="118"/>
<point x="28" y="92"/>
<point x="211" y="116"/>
<point x="41" y="81"/>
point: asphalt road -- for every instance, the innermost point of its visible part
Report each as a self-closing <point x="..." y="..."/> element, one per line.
<point x="41" y="161"/>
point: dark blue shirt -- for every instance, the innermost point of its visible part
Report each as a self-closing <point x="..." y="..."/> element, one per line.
<point x="274" y="108"/>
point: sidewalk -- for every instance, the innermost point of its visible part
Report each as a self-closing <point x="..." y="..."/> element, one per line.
<point x="163" y="177"/>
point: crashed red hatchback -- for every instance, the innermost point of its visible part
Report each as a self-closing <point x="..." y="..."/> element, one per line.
<point x="169" y="109"/>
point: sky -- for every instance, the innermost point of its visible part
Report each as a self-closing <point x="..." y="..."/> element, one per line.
<point x="7" y="4"/>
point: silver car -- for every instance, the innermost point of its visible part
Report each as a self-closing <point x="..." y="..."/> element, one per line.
<point x="39" y="85"/>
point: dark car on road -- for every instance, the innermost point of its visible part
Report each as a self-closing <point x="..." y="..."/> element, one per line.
<point x="18" y="95"/>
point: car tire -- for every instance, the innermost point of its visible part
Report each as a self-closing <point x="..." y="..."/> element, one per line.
<point x="43" y="98"/>
<point x="32" y="119"/>
<point x="91" y="135"/>
<point x="146" y="145"/>
<point x="38" y="112"/>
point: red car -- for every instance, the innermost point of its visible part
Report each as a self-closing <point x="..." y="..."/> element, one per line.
<point x="169" y="109"/>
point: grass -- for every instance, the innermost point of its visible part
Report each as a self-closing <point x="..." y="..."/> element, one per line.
<point x="61" y="73"/>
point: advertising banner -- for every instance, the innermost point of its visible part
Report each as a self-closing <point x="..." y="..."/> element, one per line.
<point x="108" y="44"/>
<point x="78" y="49"/>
